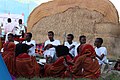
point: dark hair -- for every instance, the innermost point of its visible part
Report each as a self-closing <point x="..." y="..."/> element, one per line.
<point x="100" y="40"/>
<point x="20" y="20"/>
<point x="51" y="32"/>
<point x="71" y="36"/>
<point x="10" y="34"/>
<point x="116" y="65"/>
<point x="82" y="36"/>
<point x="61" y="50"/>
<point x="9" y="20"/>
<point x="30" y="34"/>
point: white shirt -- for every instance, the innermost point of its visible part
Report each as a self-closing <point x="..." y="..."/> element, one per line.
<point x="76" y="53"/>
<point x="16" y="42"/>
<point x="22" y="27"/>
<point x="18" y="29"/>
<point x="51" y="51"/>
<point x="32" y="49"/>
<point x="72" y="51"/>
<point x="9" y="27"/>
<point x="99" y="52"/>
<point x="55" y="42"/>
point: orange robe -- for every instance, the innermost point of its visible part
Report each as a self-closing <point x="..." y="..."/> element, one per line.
<point x="26" y="66"/>
<point x="9" y="56"/>
<point x="86" y="65"/>
<point x="58" y="68"/>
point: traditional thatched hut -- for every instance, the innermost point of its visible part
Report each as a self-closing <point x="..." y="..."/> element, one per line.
<point x="93" y="18"/>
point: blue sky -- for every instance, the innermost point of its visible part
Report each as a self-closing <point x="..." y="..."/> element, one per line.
<point x="16" y="7"/>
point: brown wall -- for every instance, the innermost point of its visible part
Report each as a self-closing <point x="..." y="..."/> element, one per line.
<point x="92" y="18"/>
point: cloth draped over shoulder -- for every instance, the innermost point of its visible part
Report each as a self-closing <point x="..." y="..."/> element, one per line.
<point x="85" y="64"/>
<point x="26" y="66"/>
<point x="58" y="68"/>
<point x="9" y="56"/>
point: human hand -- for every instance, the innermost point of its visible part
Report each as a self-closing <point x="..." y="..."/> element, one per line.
<point x="49" y="46"/>
<point x="71" y="47"/>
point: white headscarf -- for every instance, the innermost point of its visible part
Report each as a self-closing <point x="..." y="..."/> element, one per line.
<point x="6" y="37"/>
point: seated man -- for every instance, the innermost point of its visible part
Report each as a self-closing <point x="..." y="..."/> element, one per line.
<point x="58" y="68"/>
<point x="101" y="53"/>
<point x="6" y="38"/>
<point x="70" y="44"/>
<point x="50" y="45"/>
<point x="31" y="43"/>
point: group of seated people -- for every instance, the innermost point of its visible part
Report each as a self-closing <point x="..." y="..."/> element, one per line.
<point x="65" y="60"/>
<point x="17" y="56"/>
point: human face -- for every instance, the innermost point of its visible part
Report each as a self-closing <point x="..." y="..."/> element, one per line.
<point x="50" y="36"/>
<point x="10" y="38"/>
<point x="97" y="43"/>
<point x="27" y="37"/>
<point x="83" y="40"/>
<point x="69" y="38"/>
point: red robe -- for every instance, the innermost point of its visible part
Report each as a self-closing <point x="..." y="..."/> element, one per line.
<point x="58" y="68"/>
<point x="26" y="66"/>
<point x="86" y="65"/>
<point x="9" y="56"/>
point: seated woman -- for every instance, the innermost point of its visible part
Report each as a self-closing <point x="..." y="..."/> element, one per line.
<point x="26" y="65"/>
<point x="85" y="64"/>
<point x="9" y="54"/>
<point x="58" y="68"/>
